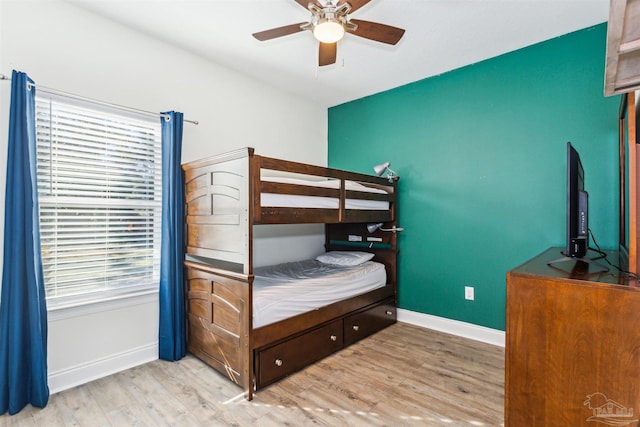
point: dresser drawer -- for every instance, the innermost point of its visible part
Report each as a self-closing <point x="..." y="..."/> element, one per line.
<point x="294" y="354"/>
<point x="367" y="322"/>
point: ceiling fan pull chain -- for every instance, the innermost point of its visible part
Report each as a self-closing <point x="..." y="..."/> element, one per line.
<point x="317" y="67"/>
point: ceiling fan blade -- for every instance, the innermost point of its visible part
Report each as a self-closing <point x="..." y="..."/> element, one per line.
<point x="305" y="3"/>
<point x="378" y="32"/>
<point x="355" y="4"/>
<point x="278" y="32"/>
<point x="327" y="55"/>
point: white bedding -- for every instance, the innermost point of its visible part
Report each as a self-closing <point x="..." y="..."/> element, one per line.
<point x="285" y="290"/>
<point x="298" y="201"/>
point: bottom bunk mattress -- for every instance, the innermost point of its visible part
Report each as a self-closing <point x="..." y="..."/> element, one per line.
<point x="285" y="290"/>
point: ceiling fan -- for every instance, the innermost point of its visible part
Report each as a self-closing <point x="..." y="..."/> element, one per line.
<point x="329" y="22"/>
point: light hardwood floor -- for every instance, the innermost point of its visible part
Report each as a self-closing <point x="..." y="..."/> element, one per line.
<point x="402" y="376"/>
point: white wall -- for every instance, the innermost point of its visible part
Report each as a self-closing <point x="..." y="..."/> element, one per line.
<point x="66" y="48"/>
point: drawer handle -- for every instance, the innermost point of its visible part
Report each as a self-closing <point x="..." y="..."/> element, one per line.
<point x="278" y="362"/>
<point x="356" y="328"/>
<point x="389" y="313"/>
<point x="334" y="338"/>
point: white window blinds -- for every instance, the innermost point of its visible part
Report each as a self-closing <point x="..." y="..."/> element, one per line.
<point x="99" y="190"/>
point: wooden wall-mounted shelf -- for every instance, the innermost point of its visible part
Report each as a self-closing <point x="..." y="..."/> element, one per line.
<point x="629" y="181"/>
<point x="622" y="73"/>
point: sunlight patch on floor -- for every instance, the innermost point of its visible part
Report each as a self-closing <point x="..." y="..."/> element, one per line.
<point x="239" y="400"/>
<point x="234" y="399"/>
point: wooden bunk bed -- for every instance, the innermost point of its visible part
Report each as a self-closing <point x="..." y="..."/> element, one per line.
<point x="226" y="196"/>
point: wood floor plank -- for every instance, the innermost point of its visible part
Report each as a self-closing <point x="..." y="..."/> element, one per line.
<point x="402" y="376"/>
<point x="84" y="408"/>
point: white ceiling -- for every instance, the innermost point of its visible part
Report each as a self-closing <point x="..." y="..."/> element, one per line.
<point x="441" y="35"/>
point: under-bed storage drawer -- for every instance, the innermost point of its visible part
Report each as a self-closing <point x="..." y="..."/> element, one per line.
<point x="294" y="354"/>
<point x="367" y="322"/>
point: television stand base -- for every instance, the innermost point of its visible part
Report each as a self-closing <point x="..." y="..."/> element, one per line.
<point x="585" y="260"/>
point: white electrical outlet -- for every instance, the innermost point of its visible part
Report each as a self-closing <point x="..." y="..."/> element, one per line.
<point x="355" y="238"/>
<point x="469" y="293"/>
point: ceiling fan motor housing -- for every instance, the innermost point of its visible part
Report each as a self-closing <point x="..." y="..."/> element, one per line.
<point x="329" y="13"/>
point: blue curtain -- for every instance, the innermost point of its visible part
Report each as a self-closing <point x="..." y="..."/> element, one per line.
<point x="172" y="341"/>
<point x="23" y="311"/>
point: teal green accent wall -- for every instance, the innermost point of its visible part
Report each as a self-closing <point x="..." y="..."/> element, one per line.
<point x="481" y="152"/>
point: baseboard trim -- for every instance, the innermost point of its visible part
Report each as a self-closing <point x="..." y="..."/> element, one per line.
<point x="93" y="370"/>
<point x="89" y="371"/>
<point x="453" y="327"/>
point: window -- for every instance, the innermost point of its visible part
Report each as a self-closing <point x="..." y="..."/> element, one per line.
<point x="99" y="191"/>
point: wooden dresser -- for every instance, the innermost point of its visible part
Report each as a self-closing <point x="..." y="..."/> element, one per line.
<point x="572" y="345"/>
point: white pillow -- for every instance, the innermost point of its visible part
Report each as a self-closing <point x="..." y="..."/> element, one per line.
<point x="344" y="258"/>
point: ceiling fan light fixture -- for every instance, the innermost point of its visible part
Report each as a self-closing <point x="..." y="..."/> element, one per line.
<point x="328" y="31"/>
<point x="329" y="22"/>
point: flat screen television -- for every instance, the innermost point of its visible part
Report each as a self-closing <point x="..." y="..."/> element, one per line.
<point x="577" y="207"/>
<point x="577" y="211"/>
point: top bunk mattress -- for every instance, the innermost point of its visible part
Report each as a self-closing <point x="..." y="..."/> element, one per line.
<point x="298" y="201"/>
<point x="285" y="290"/>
